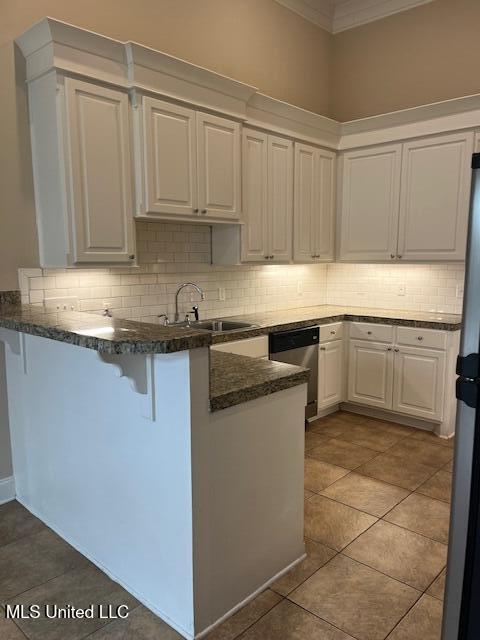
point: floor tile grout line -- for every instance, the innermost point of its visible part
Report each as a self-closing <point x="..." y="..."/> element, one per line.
<point x="320" y="617"/>
<point x="109" y="622"/>
<point x="239" y="635"/>
<point x="422" y="535"/>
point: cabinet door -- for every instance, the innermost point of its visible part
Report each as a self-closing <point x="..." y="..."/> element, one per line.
<point x="369" y="203"/>
<point x="325" y="204"/>
<point x="280" y="198"/>
<point x="330" y="373"/>
<point x="435" y="197"/>
<point x="304" y="191"/>
<point x="169" y="158"/>
<point x="370" y="373"/>
<point x="97" y="123"/>
<point x="419" y="383"/>
<point x="218" y="166"/>
<point x="254" y="190"/>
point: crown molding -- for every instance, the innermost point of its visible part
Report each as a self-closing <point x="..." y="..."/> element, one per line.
<point x="320" y="12"/>
<point x="339" y="15"/>
<point x="269" y="113"/>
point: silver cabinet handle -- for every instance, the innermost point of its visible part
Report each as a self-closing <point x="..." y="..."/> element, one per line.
<point x="131" y="257"/>
<point x="272" y="257"/>
<point x="369" y="333"/>
<point x="420" y="338"/>
<point x="399" y="256"/>
<point x="389" y="348"/>
<point x="333" y="332"/>
<point x="204" y="211"/>
<point x="392" y="256"/>
<point x="322" y="349"/>
<point x="396" y="350"/>
<point x="266" y="257"/>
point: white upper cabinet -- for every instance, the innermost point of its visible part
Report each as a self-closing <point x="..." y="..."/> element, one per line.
<point x="169" y="158"/>
<point x="434" y="199"/>
<point x="190" y="163"/>
<point x="407" y="201"/>
<point x="218" y="161"/>
<point x="255" y="197"/>
<point x="267" y="177"/>
<point x="82" y="172"/>
<point x="370" y="190"/>
<point x="314" y="196"/>
<point x="280" y="198"/>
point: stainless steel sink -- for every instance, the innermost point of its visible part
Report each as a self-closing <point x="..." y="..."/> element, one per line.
<point x="215" y="326"/>
<point x="223" y="325"/>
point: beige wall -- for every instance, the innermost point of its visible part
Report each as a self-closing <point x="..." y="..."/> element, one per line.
<point x="427" y="54"/>
<point x="256" y="41"/>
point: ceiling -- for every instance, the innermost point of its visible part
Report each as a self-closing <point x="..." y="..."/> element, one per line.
<point x="339" y="15"/>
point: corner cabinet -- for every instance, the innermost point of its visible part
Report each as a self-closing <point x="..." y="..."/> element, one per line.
<point x="370" y="193"/>
<point x="267" y="174"/>
<point x="370" y="377"/>
<point x="435" y="196"/>
<point x="82" y="172"/>
<point x="188" y="163"/>
<point x="314" y="199"/>
<point x="406" y="201"/>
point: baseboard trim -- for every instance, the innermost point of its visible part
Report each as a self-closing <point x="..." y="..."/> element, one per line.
<point x="7" y="489"/>
<point x="382" y="414"/>
<point x="249" y="598"/>
<point x="325" y="412"/>
<point x="183" y="632"/>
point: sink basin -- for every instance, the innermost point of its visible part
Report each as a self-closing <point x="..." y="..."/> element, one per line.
<point x="223" y="325"/>
<point x="216" y="325"/>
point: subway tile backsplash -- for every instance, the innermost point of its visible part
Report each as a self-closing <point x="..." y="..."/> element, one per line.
<point x="170" y="254"/>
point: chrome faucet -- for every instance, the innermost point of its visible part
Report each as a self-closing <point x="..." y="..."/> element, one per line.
<point x="182" y="286"/>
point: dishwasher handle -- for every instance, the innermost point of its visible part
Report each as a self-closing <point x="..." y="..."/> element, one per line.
<point x="287" y="340"/>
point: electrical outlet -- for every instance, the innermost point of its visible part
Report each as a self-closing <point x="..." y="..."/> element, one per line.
<point x="401" y="290"/>
<point x="221" y="293"/>
<point x="459" y="291"/>
<point x="68" y="303"/>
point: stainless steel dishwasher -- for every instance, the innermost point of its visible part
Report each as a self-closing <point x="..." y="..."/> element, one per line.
<point x="299" y="347"/>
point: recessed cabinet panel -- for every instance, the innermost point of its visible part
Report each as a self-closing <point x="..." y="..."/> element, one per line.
<point x="435" y="197"/>
<point x="304" y="203"/>
<point x="314" y="197"/>
<point x="98" y="136"/>
<point x="280" y="197"/>
<point x="419" y="383"/>
<point x="330" y="374"/>
<point x="254" y="190"/>
<point x="369" y="203"/>
<point x="325" y="210"/>
<point x="218" y="163"/>
<point x="370" y="379"/>
<point x="170" y="162"/>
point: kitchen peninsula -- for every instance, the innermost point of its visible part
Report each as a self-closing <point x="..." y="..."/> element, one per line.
<point x="116" y="449"/>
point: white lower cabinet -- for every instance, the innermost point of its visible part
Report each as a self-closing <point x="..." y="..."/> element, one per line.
<point x="330" y="374"/>
<point x="370" y="375"/>
<point x="419" y="382"/>
<point x="403" y="379"/>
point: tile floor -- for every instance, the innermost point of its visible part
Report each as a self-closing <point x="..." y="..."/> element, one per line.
<point x="377" y="500"/>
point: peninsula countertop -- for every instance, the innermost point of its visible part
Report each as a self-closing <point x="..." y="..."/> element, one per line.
<point x="104" y="334"/>
<point x="236" y="379"/>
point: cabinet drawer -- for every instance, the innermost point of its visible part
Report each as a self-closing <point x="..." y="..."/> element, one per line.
<point x="430" y="338"/>
<point x="367" y="331"/>
<point x="332" y="331"/>
<point x="254" y="347"/>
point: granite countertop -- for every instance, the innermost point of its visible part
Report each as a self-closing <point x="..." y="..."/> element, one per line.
<point x="236" y="379"/>
<point x="108" y="335"/>
<point x="284" y="320"/>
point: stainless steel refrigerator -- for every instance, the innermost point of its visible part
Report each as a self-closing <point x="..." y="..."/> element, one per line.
<point x="461" y="619"/>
